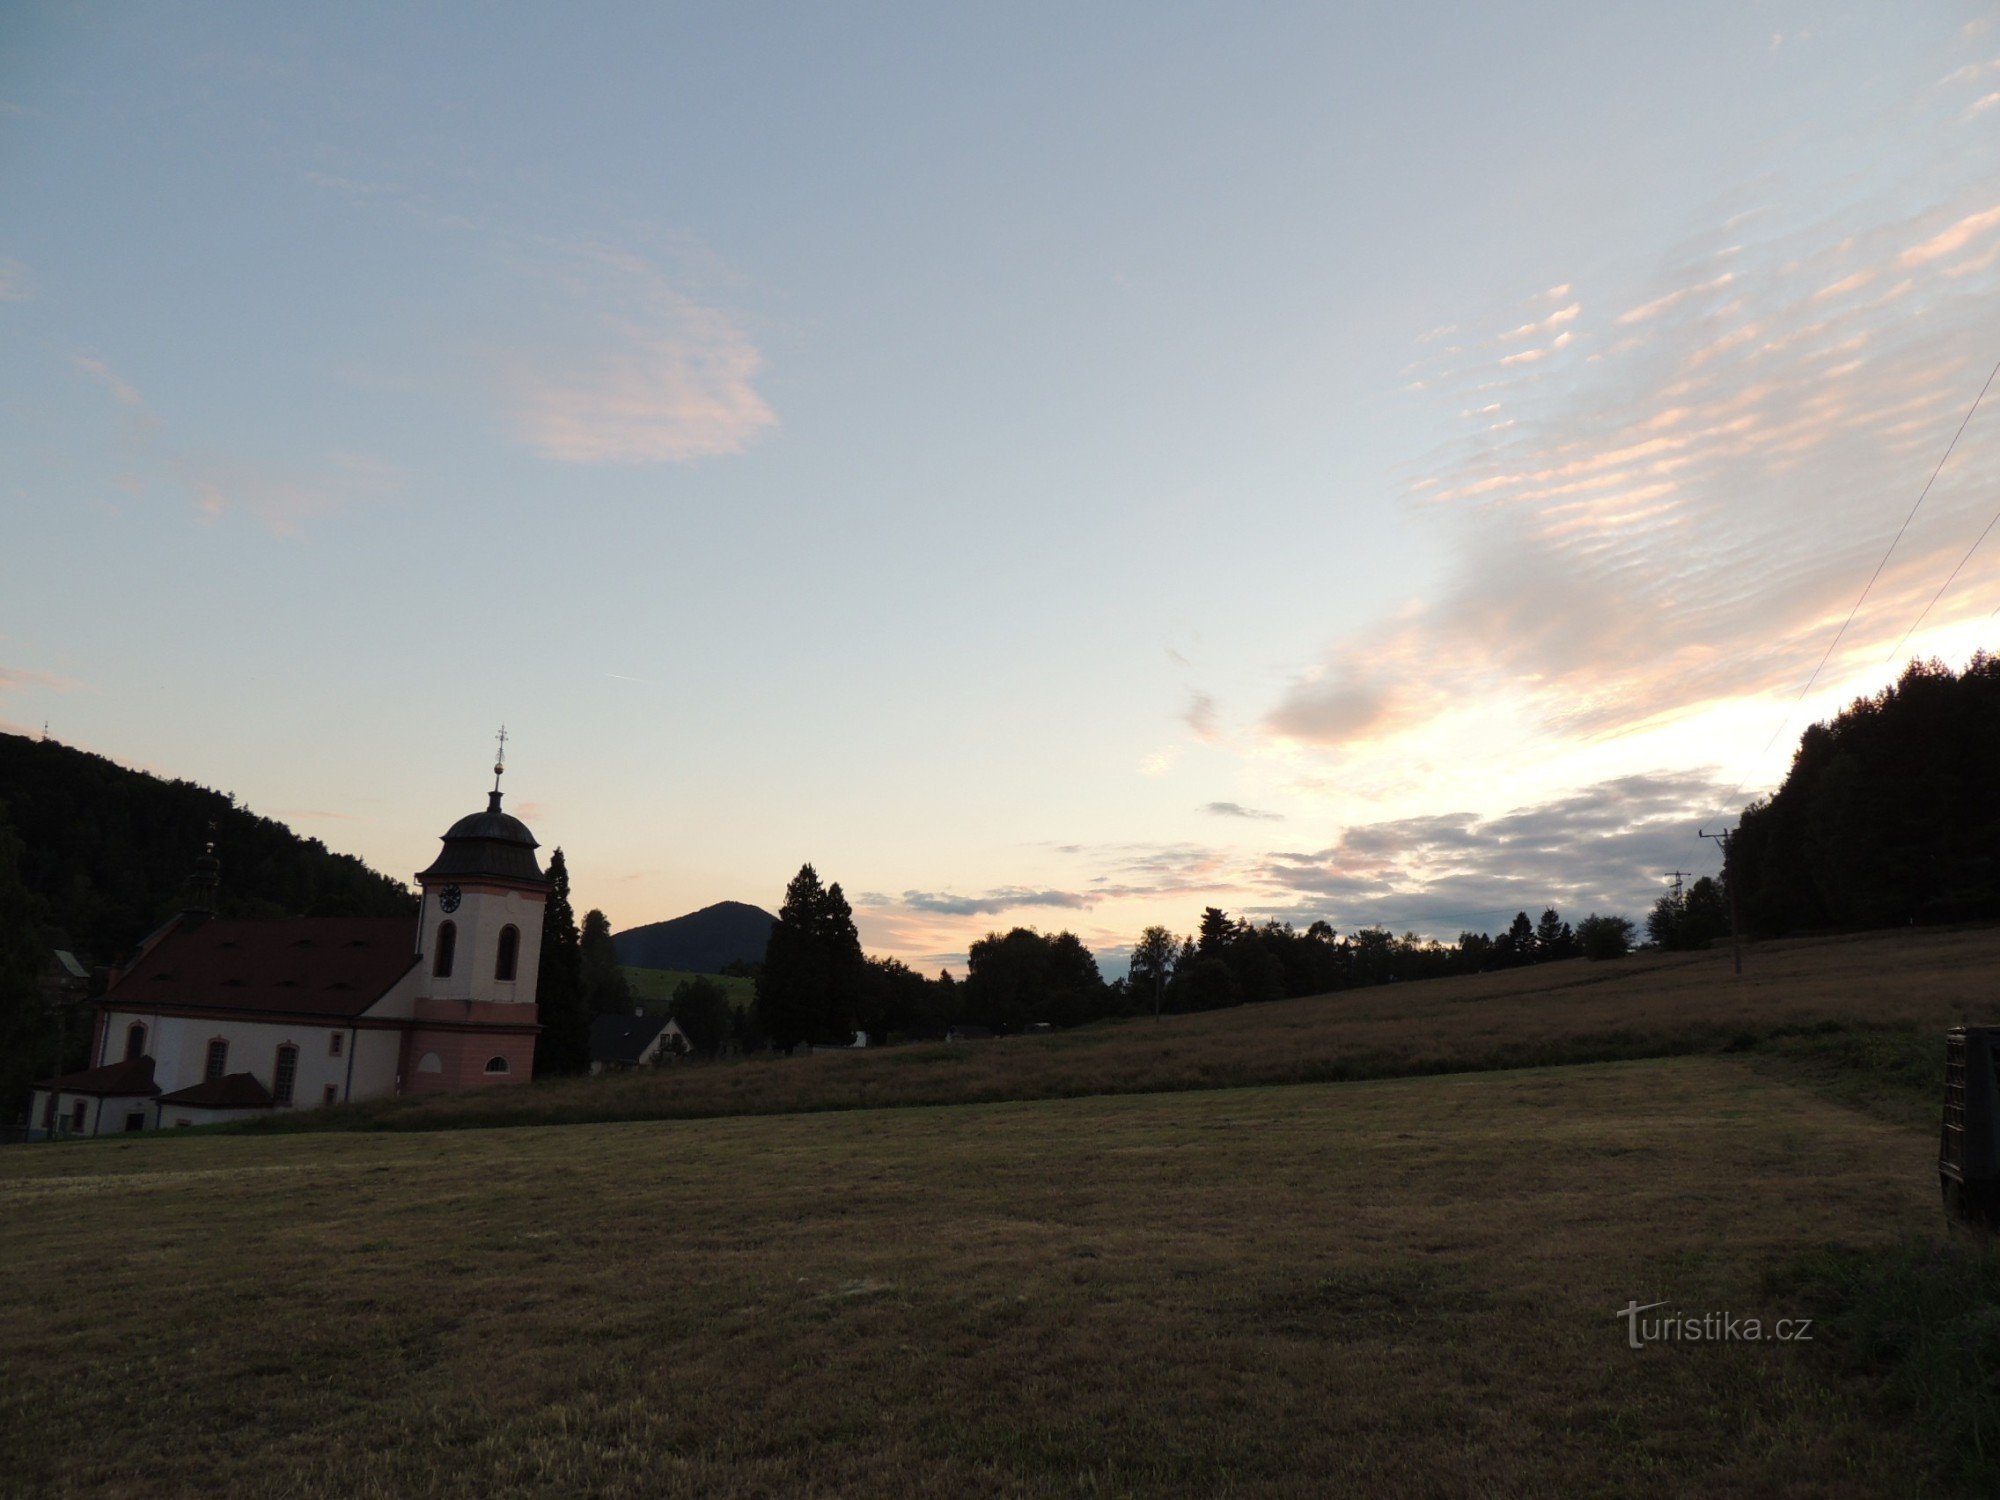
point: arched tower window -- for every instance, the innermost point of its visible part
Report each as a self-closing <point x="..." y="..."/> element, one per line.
<point x="497" y="1065"/>
<point x="510" y="952"/>
<point x="135" y="1041"/>
<point x="447" y="948"/>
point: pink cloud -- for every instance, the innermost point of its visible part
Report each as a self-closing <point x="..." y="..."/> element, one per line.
<point x="1952" y="240"/>
<point x="639" y="373"/>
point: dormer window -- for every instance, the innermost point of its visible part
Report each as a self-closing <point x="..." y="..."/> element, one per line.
<point x="447" y="949"/>
<point x="510" y="953"/>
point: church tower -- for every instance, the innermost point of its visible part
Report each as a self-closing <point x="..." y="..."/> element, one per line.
<point x="479" y="943"/>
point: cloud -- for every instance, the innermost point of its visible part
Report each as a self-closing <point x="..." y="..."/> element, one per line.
<point x="1668" y="300"/>
<point x="1238" y="810"/>
<point x="1200" y="716"/>
<point x="218" y="482"/>
<point x="1008" y="898"/>
<point x="1680" y="525"/>
<point x="647" y="374"/>
<point x="1952" y="240"/>
<point x="1330" y="711"/>
<point x="13" y="679"/>
<point x="1604" y="848"/>
<point x="116" y="386"/>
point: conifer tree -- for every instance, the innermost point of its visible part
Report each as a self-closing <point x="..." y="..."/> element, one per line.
<point x="605" y="991"/>
<point x="810" y="984"/>
<point x="20" y="957"/>
<point x="564" y="1043"/>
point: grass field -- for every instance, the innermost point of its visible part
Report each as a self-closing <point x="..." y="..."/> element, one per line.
<point x="1119" y="1261"/>
<point x="1398" y="1287"/>
<point x="1892" y="993"/>
<point x="653" y="988"/>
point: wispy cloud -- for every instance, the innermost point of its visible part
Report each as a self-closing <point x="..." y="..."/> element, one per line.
<point x="1010" y="898"/>
<point x="1200" y="716"/>
<point x="1682" y="518"/>
<point x="1238" y="810"/>
<point x="116" y="386"/>
<point x="217" y="482"/>
<point x="13" y="679"/>
<point x="1965" y="232"/>
<point x="647" y="374"/>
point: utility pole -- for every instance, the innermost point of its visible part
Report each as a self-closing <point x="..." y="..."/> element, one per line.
<point x="1729" y="879"/>
<point x="1677" y="876"/>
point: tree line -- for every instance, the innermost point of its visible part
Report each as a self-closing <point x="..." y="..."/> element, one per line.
<point x="816" y="987"/>
<point x="1889" y="814"/>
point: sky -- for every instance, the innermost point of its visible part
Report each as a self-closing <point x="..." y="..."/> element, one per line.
<point x="1044" y="465"/>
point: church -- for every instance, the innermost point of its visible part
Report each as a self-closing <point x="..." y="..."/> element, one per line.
<point x="217" y="1019"/>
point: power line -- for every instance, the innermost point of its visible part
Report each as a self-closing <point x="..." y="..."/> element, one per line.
<point x="1945" y="585"/>
<point x="1875" y="576"/>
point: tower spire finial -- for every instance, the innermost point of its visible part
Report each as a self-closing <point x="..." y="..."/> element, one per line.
<point x="499" y="765"/>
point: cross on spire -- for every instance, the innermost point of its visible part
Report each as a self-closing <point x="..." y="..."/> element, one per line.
<point x="499" y="758"/>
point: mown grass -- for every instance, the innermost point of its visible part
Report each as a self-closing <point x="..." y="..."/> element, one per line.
<point x="1398" y="1287"/>
<point x="1904" y="984"/>
<point x="1921" y="1320"/>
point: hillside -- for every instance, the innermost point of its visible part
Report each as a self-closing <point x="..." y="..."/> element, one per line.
<point x="1859" y="1015"/>
<point x="106" y="851"/>
<point x="702" y="942"/>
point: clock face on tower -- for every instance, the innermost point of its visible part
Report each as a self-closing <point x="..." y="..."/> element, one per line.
<point x="448" y="898"/>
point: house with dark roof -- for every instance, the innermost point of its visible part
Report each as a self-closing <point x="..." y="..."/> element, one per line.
<point x="217" y="1018"/>
<point x="619" y="1043"/>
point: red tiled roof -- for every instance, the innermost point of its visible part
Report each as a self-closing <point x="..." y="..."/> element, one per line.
<point x="134" y="1076"/>
<point x="308" y="966"/>
<point x="230" y="1091"/>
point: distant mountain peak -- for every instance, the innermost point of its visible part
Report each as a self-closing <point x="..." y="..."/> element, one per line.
<point x="702" y="942"/>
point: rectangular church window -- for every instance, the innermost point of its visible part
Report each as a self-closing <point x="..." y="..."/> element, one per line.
<point x="218" y="1060"/>
<point x="285" y="1073"/>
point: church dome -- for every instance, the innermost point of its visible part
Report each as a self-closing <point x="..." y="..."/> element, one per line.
<point x="491" y="844"/>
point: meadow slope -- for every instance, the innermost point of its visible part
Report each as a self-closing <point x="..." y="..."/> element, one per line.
<point x="1911" y="983"/>
<point x="1397" y="1287"/>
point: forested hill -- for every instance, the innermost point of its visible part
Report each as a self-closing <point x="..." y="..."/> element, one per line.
<point x="106" y="852"/>
<point x="1890" y="814"/>
<point x="702" y="942"/>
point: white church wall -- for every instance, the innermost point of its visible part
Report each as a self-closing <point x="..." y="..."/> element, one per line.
<point x="376" y="1055"/>
<point x="483" y="912"/>
<point x="179" y="1046"/>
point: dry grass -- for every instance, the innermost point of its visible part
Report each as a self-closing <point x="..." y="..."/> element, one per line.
<point x="1648" y="1006"/>
<point x="1402" y="1287"/>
